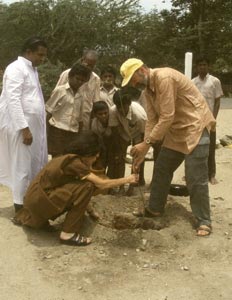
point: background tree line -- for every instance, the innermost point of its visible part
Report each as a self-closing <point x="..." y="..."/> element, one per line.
<point x="118" y="30"/>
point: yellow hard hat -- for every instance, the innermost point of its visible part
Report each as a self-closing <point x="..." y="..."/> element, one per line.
<point x="128" y="68"/>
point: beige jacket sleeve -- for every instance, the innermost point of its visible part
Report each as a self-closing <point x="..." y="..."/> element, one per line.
<point x="160" y="109"/>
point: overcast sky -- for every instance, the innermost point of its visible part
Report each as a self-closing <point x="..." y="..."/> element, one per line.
<point x="158" y="4"/>
<point x="147" y="4"/>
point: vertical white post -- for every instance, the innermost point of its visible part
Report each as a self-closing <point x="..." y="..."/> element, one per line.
<point x="188" y="64"/>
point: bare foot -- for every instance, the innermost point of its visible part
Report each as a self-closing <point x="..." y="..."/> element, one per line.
<point x="92" y="213"/>
<point x="213" y="181"/>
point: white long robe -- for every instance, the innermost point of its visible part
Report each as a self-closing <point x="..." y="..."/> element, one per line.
<point x="21" y="106"/>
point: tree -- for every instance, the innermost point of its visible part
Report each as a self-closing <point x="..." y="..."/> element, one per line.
<point x="205" y="27"/>
<point x="19" y="21"/>
<point x="119" y="30"/>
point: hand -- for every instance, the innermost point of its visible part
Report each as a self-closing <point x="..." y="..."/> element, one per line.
<point x="138" y="152"/>
<point x="133" y="178"/>
<point x="27" y="136"/>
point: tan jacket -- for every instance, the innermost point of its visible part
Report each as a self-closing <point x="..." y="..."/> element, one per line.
<point x="176" y="110"/>
<point x="48" y="194"/>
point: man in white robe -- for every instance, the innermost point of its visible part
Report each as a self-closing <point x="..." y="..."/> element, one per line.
<point x="23" y="143"/>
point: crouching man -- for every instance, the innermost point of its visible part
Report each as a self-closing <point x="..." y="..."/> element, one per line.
<point x="66" y="184"/>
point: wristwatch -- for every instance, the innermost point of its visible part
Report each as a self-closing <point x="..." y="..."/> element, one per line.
<point x="148" y="141"/>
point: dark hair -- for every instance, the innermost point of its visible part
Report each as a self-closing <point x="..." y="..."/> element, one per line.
<point x="108" y="69"/>
<point x="79" y="69"/>
<point x="33" y="43"/>
<point x="202" y="59"/>
<point x="133" y="92"/>
<point x="86" y="143"/>
<point x="99" y="105"/>
<point x="120" y="98"/>
<point x="90" y="52"/>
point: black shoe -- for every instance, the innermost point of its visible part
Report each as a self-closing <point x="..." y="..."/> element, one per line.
<point x="17" y="207"/>
<point x="16" y="222"/>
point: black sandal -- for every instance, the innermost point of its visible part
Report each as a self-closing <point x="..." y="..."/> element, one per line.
<point x="76" y="240"/>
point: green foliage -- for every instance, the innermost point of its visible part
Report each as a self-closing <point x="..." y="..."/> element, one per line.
<point x="49" y="75"/>
<point x="118" y="30"/>
<point x="205" y="27"/>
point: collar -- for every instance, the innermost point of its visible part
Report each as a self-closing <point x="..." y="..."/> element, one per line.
<point x="151" y="84"/>
<point x="206" y="77"/>
<point x="26" y="62"/>
<point x="129" y="114"/>
<point x="68" y="87"/>
<point x="114" y="89"/>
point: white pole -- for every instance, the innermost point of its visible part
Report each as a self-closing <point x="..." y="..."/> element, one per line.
<point x="188" y="64"/>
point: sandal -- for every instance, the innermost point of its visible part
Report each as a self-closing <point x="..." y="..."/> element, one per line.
<point x="204" y="230"/>
<point x="146" y="213"/>
<point x="76" y="240"/>
<point x="16" y="222"/>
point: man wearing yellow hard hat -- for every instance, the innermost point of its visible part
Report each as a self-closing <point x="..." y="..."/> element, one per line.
<point x="177" y="114"/>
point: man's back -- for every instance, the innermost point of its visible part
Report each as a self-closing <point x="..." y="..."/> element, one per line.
<point x="133" y="125"/>
<point x="177" y="110"/>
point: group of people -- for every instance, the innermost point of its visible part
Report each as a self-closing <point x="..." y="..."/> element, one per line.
<point x="89" y="123"/>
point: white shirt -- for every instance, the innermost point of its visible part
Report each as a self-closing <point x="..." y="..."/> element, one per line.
<point x="90" y="92"/>
<point x="131" y="126"/>
<point x="66" y="108"/>
<point x="210" y="88"/>
<point x="107" y="96"/>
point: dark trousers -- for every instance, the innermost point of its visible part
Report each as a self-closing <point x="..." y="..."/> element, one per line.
<point x="72" y="198"/>
<point x="196" y="170"/>
<point x="211" y="159"/>
<point x="58" y="140"/>
<point x="77" y="205"/>
<point x="116" y="159"/>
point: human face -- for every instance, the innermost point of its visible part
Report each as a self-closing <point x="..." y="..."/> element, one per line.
<point x="107" y="79"/>
<point x="89" y="62"/>
<point x="90" y="160"/>
<point x="77" y="81"/>
<point x="203" y="69"/>
<point x="103" y="116"/>
<point x="139" y="80"/>
<point x="37" y="57"/>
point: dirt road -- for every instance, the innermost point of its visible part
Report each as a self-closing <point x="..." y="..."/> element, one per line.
<point x="130" y="264"/>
